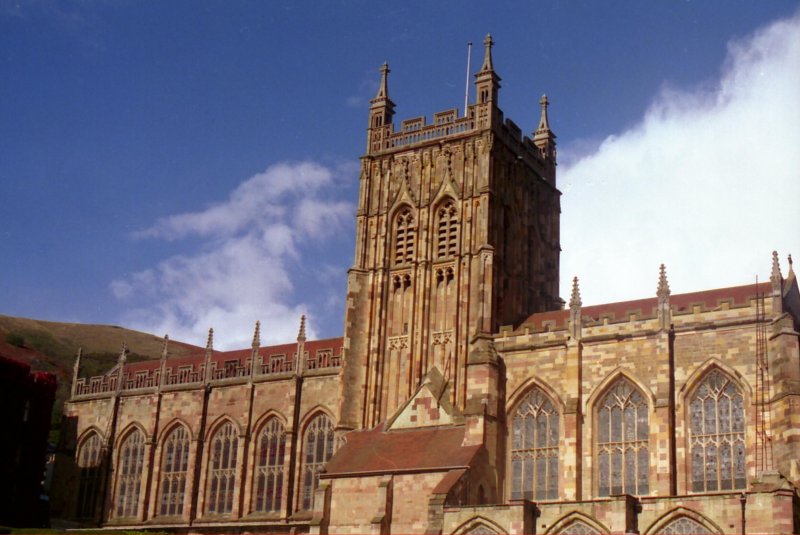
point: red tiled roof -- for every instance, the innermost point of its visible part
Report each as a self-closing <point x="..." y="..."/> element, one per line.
<point x="709" y="299"/>
<point x="376" y="451"/>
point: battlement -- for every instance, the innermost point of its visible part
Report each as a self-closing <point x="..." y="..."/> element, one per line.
<point x="319" y="357"/>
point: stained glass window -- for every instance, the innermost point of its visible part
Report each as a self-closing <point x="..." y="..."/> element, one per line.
<point x="578" y="527"/>
<point x="174" y="468"/>
<point x="222" y="470"/>
<point x="447" y="230"/>
<point x="716" y="434"/>
<point x="534" y="448"/>
<point x="269" y="467"/>
<point x="129" y="474"/>
<point x="405" y="232"/>
<point x="623" y="460"/>
<point x="89" y="462"/>
<point x="317" y="450"/>
<point x="684" y="526"/>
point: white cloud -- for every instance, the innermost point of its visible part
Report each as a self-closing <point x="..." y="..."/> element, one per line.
<point x="708" y="182"/>
<point x="247" y="262"/>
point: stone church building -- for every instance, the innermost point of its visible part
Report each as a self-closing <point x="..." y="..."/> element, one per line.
<point x="465" y="396"/>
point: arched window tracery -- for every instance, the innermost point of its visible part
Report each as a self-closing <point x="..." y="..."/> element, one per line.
<point x="174" y="469"/>
<point x="717" y="434"/>
<point x="318" y="444"/>
<point x="447" y="230"/>
<point x="534" y="448"/>
<point x="405" y="237"/>
<point x="269" y="467"/>
<point x="89" y="457"/>
<point x="222" y="470"/>
<point x="684" y="526"/>
<point x="129" y="474"/>
<point x="623" y="453"/>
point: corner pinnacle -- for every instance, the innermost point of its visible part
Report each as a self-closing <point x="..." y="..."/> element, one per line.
<point x="575" y="298"/>
<point x="662" y="291"/>
<point x="301" y="335"/>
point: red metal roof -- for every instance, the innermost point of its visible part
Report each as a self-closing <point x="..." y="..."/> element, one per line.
<point x="737" y="296"/>
<point x="376" y="451"/>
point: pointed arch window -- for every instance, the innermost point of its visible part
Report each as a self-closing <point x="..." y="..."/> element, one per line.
<point x="89" y="462"/>
<point x="534" y="448"/>
<point x="174" y="469"/>
<point x="317" y="450"/>
<point x="623" y="454"/>
<point x="129" y="474"/>
<point x="405" y="236"/>
<point x="578" y="527"/>
<point x="716" y="434"/>
<point x="269" y="467"/>
<point x="222" y="470"/>
<point x="684" y="526"/>
<point x="447" y="230"/>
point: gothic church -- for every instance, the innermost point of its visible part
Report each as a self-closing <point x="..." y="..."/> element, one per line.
<point x="465" y="396"/>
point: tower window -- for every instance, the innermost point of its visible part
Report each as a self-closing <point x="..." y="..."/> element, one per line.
<point x="405" y="237"/>
<point x="447" y="230"/>
<point x="716" y="436"/>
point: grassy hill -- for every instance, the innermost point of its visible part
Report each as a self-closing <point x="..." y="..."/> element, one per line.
<point x="51" y="347"/>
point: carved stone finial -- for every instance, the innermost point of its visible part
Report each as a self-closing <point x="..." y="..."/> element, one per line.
<point x="790" y="264"/>
<point x="301" y="335"/>
<point x="775" y="277"/>
<point x="77" y="364"/>
<point x="164" y="348"/>
<point x="487" y="58"/>
<point x="257" y="335"/>
<point x="383" y="89"/>
<point x="544" y="122"/>
<point x="575" y="298"/>
<point x="210" y="341"/>
<point x="123" y="355"/>
<point x="662" y="291"/>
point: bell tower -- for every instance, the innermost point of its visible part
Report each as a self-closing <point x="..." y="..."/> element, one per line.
<point x="457" y="233"/>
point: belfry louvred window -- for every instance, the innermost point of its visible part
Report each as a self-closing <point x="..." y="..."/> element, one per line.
<point x="716" y="435"/>
<point x="129" y="474"/>
<point x="446" y="230"/>
<point x="534" y="448"/>
<point x="405" y="237"/>
<point x="89" y="462"/>
<point x="623" y="454"/>
<point x="269" y="467"/>
<point x="174" y="468"/>
<point x="317" y="450"/>
<point x="222" y="470"/>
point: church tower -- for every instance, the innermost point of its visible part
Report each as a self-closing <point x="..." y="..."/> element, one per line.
<point x="457" y="234"/>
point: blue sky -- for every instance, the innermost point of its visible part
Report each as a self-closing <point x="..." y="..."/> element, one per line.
<point x="172" y="166"/>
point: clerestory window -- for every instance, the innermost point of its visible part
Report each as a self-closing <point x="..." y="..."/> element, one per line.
<point x="129" y="474"/>
<point x="716" y="434"/>
<point x="174" y="469"/>
<point x="269" y="467"/>
<point x="222" y="470"/>
<point x="534" y="448"/>
<point x="317" y="450"/>
<point x="623" y="453"/>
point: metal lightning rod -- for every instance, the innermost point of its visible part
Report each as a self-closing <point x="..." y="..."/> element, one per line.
<point x="466" y="89"/>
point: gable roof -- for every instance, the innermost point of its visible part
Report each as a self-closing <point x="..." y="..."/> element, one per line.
<point x="376" y="451"/>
